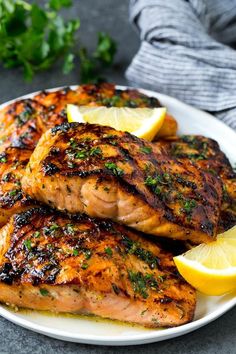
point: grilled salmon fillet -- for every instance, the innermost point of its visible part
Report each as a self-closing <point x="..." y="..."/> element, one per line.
<point x="21" y="128"/>
<point x="206" y="154"/>
<point x="50" y="261"/>
<point x="23" y="122"/>
<point x="104" y="94"/>
<point x="110" y="174"/>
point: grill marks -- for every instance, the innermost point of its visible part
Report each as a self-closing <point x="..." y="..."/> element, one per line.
<point x="177" y="190"/>
<point x="206" y="154"/>
<point x="23" y="122"/>
<point x="19" y="135"/>
<point x="45" y="249"/>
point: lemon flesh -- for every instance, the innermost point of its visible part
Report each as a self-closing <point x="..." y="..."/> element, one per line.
<point x="211" y="268"/>
<point x="141" y="122"/>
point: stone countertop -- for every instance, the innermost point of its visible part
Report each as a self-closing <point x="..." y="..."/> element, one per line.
<point x="105" y="15"/>
<point x="111" y="16"/>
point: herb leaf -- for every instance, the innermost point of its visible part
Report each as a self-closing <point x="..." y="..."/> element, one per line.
<point x="117" y="171"/>
<point x="103" y="56"/>
<point x="27" y="244"/>
<point x="44" y="292"/>
<point x="108" y="251"/>
<point x="34" y="37"/>
<point x="58" y="4"/>
<point x="106" y="49"/>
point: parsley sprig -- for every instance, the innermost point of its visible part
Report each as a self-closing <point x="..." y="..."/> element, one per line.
<point x="34" y="37"/>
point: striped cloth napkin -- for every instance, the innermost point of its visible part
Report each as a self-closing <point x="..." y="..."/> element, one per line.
<point x="187" y="52"/>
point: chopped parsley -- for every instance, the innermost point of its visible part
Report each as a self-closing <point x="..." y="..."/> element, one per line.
<point x="73" y="143"/>
<point x="95" y="151"/>
<point x="23" y="117"/>
<point x="189" y="205"/>
<point x="146" y="149"/>
<point x="27" y="244"/>
<point x="36" y="234"/>
<point x="75" y="252"/>
<point x="44" y="292"/>
<point x="13" y="192"/>
<point x="150" y="181"/>
<point x="225" y="193"/>
<point x="70" y="229"/>
<point x="7" y="177"/>
<point x="84" y="266"/>
<point x="70" y="164"/>
<point x="133" y="247"/>
<point x="141" y="283"/>
<point x="51" y="230"/>
<point x="87" y="253"/>
<point x="117" y="171"/>
<point x="108" y="251"/>
<point x="54" y="227"/>
<point x="82" y="154"/>
<point x="3" y="158"/>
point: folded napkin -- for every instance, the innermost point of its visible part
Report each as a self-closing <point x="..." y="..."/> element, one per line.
<point x="187" y="52"/>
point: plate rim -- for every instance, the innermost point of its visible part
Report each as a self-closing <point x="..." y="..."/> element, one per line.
<point x="121" y="340"/>
<point x="140" y="338"/>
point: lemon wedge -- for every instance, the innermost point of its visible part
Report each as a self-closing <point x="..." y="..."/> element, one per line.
<point x="142" y="122"/>
<point x="211" y="268"/>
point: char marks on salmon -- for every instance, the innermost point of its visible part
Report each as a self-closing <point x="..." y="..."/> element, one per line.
<point x="205" y="153"/>
<point x="110" y="174"/>
<point x="50" y="261"/>
<point x="23" y="122"/>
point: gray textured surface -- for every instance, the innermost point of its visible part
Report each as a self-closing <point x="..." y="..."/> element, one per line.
<point x="217" y="337"/>
<point x="96" y="15"/>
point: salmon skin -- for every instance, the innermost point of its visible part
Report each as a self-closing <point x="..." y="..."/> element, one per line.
<point x="110" y="174"/>
<point x="206" y="153"/>
<point x="76" y="264"/>
<point x="23" y="122"/>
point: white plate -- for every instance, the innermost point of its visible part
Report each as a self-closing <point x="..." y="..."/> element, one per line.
<point x="94" y="331"/>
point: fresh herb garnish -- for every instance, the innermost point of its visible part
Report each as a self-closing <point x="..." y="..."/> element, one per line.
<point x="87" y="253"/>
<point x="51" y="230"/>
<point x="27" y="244"/>
<point x="117" y="171"/>
<point x="84" y="266"/>
<point x="141" y="283"/>
<point x="70" y="229"/>
<point x="73" y="143"/>
<point x="133" y="247"/>
<point x="13" y="192"/>
<point x="3" y="158"/>
<point x="146" y="149"/>
<point x="108" y="251"/>
<point x="23" y="117"/>
<point x="91" y="65"/>
<point x="189" y="205"/>
<point x="150" y="181"/>
<point x="34" y="37"/>
<point x="95" y="151"/>
<point x="54" y="227"/>
<point x="75" y="252"/>
<point x="81" y="154"/>
<point x="70" y="164"/>
<point x="44" y="292"/>
<point x="36" y="234"/>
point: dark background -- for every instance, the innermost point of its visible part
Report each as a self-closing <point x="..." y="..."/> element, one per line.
<point x="95" y="15"/>
<point x="111" y="16"/>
